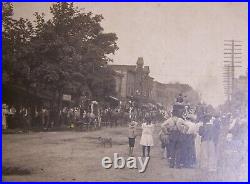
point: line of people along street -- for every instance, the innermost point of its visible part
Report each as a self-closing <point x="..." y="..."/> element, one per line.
<point x="91" y="114"/>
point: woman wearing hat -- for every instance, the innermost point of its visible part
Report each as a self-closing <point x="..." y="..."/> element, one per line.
<point x="208" y="158"/>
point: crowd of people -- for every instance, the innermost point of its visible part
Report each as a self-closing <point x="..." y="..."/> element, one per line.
<point x="11" y="117"/>
<point x="191" y="138"/>
<point x="90" y="115"/>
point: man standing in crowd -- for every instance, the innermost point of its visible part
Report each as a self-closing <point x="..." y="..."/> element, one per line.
<point x="176" y="127"/>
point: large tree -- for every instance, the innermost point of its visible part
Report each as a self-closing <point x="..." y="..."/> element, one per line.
<point x="16" y="37"/>
<point x="72" y="49"/>
<point x="68" y="51"/>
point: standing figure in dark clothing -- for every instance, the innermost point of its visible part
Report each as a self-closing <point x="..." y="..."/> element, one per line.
<point x="176" y="129"/>
<point x="45" y="117"/>
<point x="217" y="127"/>
<point x="26" y="118"/>
<point x="208" y="152"/>
<point x="188" y="156"/>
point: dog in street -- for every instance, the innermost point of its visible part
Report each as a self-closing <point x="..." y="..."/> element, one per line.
<point x="105" y="141"/>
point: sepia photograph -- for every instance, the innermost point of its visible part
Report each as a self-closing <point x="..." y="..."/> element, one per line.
<point x="125" y="91"/>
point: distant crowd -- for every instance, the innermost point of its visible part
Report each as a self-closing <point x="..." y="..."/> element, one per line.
<point x="88" y="116"/>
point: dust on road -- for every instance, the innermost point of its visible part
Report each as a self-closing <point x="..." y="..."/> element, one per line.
<point x="77" y="156"/>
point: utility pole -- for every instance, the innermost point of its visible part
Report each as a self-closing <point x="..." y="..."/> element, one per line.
<point x="227" y="82"/>
<point x="232" y="60"/>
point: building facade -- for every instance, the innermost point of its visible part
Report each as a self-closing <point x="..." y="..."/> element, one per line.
<point x="133" y="80"/>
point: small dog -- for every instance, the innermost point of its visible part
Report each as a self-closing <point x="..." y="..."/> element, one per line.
<point x="105" y="141"/>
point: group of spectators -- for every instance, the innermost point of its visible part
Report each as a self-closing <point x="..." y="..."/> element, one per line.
<point x="191" y="142"/>
<point x="11" y="117"/>
<point x="90" y="114"/>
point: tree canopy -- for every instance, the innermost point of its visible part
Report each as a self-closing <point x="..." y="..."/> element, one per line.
<point x="67" y="52"/>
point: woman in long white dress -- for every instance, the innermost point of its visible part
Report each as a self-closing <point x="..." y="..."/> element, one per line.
<point x="5" y="112"/>
<point x="147" y="137"/>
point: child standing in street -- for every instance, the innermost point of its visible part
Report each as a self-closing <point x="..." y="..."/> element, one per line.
<point x="147" y="137"/>
<point x="131" y="136"/>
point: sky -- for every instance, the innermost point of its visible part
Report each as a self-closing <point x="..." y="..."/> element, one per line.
<point x="180" y="42"/>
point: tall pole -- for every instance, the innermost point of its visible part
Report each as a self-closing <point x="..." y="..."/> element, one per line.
<point x="232" y="63"/>
<point x="232" y="55"/>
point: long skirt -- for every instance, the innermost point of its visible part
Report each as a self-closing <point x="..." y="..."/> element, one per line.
<point x="198" y="149"/>
<point x="208" y="158"/>
<point x="4" y="121"/>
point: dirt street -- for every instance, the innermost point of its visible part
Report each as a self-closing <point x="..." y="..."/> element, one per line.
<point x="76" y="156"/>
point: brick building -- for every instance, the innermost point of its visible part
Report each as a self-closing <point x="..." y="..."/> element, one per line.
<point x="133" y="80"/>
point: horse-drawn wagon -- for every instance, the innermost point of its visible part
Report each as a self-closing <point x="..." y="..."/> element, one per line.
<point x="90" y="116"/>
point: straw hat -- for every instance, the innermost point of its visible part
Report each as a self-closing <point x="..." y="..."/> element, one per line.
<point x="132" y="124"/>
